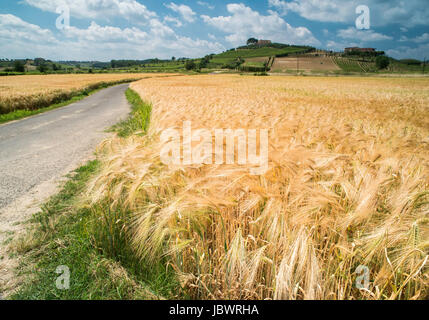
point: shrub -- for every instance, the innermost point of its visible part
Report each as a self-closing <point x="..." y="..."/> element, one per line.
<point x="382" y="62"/>
<point x="42" y="68"/>
<point x="18" y="66"/>
<point x="190" y="65"/>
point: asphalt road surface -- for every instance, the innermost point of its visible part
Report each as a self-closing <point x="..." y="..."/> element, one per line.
<point x="41" y="148"/>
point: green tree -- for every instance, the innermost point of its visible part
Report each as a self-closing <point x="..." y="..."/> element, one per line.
<point x="382" y="62"/>
<point x="190" y="65"/>
<point x="204" y="62"/>
<point x="39" y="61"/>
<point x="42" y="68"/>
<point x="252" y="41"/>
<point x="19" y="66"/>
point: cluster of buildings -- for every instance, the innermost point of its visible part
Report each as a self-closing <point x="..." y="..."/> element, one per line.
<point x="263" y="42"/>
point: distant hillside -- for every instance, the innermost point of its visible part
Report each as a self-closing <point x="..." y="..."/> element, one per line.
<point x="367" y="65"/>
<point x="235" y="57"/>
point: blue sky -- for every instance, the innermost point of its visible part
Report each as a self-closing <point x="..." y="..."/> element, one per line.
<point x="140" y="29"/>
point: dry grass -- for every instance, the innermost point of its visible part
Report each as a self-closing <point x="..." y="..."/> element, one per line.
<point x="308" y="64"/>
<point x="347" y="186"/>
<point x="33" y="92"/>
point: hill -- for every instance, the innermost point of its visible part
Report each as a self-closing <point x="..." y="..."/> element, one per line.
<point x="230" y="58"/>
<point x="274" y="57"/>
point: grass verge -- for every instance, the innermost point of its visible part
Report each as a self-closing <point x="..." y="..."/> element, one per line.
<point x="61" y="100"/>
<point x="91" y="241"/>
<point x="139" y="118"/>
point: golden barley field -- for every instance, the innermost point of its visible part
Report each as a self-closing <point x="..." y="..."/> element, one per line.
<point x="347" y="186"/>
<point x="36" y="91"/>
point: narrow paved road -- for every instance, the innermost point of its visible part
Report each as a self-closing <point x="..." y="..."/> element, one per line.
<point x="41" y="148"/>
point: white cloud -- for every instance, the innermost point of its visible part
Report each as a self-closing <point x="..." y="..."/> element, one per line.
<point x="205" y="4"/>
<point x="321" y="10"/>
<point x="98" y="42"/>
<point x="13" y="28"/>
<point x="423" y="38"/>
<point x="362" y="35"/>
<point x="406" y="13"/>
<point x="97" y="9"/>
<point x="161" y="30"/>
<point x="244" y="23"/>
<point x="106" y="34"/>
<point x="186" y="12"/>
<point x="419" y="52"/>
<point x="339" y="46"/>
<point x="173" y="20"/>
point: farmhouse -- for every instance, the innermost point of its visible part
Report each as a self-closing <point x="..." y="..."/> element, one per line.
<point x="263" y="42"/>
<point x="356" y="49"/>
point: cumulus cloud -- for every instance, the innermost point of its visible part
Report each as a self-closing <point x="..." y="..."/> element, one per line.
<point x="321" y="10"/>
<point x="423" y="38"/>
<point x="206" y="4"/>
<point x="105" y="34"/>
<point x="339" y="46"/>
<point x="185" y="11"/>
<point x="362" y="35"/>
<point x="245" y="22"/>
<point x="13" y="28"/>
<point x="175" y="21"/>
<point x="97" y="9"/>
<point x="419" y="52"/>
<point x="99" y="42"/>
<point x="406" y="13"/>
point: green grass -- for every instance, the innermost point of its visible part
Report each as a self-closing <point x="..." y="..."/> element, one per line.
<point x="356" y="65"/>
<point x="254" y="64"/>
<point x="255" y="53"/>
<point x="398" y="67"/>
<point x="231" y="56"/>
<point x="91" y="241"/>
<point x="77" y="96"/>
<point x="139" y="118"/>
<point x="348" y="65"/>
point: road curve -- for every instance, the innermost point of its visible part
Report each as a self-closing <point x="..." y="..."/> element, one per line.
<point x="43" y="147"/>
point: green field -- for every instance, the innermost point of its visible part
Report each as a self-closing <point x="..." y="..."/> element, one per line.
<point x="367" y="65"/>
<point x="253" y="64"/>
<point x="232" y="55"/>
<point x="348" y="65"/>
<point x="397" y="66"/>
